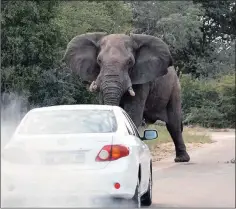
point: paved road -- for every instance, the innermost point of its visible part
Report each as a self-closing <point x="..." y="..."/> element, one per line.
<point x="207" y="181"/>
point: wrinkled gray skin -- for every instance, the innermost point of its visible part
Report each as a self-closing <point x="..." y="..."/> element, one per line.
<point x="135" y="72"/>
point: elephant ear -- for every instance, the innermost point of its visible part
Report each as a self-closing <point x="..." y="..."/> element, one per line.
<point x="81" y="55"/>
<point x="152" y="58"/>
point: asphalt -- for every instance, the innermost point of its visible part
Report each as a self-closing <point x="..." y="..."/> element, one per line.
<point x="208" y="180"/>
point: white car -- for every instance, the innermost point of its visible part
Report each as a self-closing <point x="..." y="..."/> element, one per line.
<point x="66" y="152"/>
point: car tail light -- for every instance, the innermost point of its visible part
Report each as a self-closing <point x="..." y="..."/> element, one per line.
<point x="112" y="152"/>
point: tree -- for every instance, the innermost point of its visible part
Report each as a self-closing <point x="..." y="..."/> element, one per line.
<point x="182" y="33"/>
<point x="146" y="14"/>
<point x="76" y="18"/>
<point x="180" y="25"/>
<point x="31" y="51"/>
<point x="219" y="20"/>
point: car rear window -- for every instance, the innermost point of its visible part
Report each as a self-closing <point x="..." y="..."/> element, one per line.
<point x="69" y="122"/>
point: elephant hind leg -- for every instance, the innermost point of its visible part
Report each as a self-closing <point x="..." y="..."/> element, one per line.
<point x="175" y="128"/>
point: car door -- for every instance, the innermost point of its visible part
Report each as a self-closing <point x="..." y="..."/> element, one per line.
<point x="143" y="152"/>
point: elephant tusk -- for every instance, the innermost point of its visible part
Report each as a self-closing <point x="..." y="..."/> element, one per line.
<point x="93" y="87"/>
<point x="131" y="91"/>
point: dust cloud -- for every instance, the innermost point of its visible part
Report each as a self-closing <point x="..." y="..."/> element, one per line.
<point x="13" y="108"/>
<point x="28" y="183"/>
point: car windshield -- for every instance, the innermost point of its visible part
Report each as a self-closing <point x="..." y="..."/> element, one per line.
<point x="69" y="122"/>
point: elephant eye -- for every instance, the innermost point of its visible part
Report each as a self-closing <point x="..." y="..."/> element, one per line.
<point x="99" y="61"/>
<point x="130" y="62"/>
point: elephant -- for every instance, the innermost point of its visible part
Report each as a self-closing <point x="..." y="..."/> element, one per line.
<point x="135" y="72"/>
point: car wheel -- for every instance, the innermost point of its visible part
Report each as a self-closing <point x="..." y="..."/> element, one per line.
<point x="147" y="197"/>
<point x="137" y="196"/>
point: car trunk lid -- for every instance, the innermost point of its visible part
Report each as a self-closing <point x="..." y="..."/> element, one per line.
<point x="79" y="150"/>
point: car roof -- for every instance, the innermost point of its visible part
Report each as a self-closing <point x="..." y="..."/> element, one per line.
<point x="76" y="107"/>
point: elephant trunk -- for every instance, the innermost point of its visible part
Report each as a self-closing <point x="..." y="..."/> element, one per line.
<point x="113" y="81"/>
<point x="112" y="96"/>
<point x="114" y="101"/>
<point x="112" y="92"/>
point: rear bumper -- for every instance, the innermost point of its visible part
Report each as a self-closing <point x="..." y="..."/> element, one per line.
<point x="67" y="187"/>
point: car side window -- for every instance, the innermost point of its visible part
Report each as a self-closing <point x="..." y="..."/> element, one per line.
<point x="129" y="130"/>
<point x="128" y="126"/>
<point x="132" y="124"/>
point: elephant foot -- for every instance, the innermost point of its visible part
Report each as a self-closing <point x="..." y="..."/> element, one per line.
<point x="182" y="157"/>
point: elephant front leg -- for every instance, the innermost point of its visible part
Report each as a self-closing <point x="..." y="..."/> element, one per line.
<point x="134" y="105"/>
<point x="174" y="127"/>
<point x="180" y="148"/>
<point x="100" y="99"/>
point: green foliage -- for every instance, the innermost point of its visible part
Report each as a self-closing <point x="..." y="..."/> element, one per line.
<point x="146" y="14"/>
<point x="181" y="31"/>
<point x="209" y="103"/>
<point x="219" y="19"/>
<point x="59" y="87"/>
<point x="30" y="46"/>
<point x="183" y="26"/>
<point x="76" y="18"/>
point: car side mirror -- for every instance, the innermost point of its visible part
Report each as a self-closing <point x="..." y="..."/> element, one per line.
<point x="150" y="135"/>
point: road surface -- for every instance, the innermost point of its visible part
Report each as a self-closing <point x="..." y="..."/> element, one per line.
<point x="208" y="180"/>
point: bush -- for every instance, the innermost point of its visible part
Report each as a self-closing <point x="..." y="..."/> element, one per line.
<point x="209" y="103"/>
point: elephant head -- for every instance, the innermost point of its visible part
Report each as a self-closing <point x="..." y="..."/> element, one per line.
<point x="113" y="63"/>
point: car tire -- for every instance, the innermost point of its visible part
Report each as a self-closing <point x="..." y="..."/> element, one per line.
<point x="137" y="196"/>
<point x="146" y="199"/>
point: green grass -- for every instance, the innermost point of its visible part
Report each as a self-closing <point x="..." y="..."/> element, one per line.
<point x="190" y="135"/>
